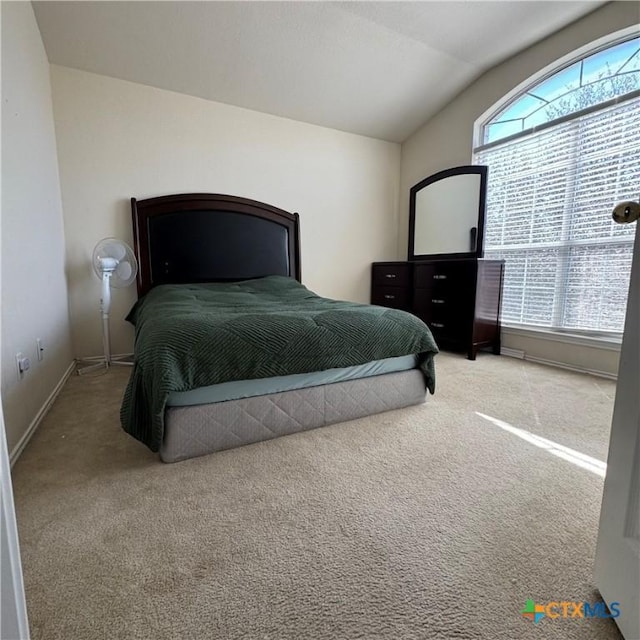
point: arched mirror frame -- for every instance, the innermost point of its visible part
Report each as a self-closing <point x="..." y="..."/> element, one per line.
<point x="443" y="175"/>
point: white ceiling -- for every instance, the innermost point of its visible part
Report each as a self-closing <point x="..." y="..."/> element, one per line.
<point x="379" y="69"/>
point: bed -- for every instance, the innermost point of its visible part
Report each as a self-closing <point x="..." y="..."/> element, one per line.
<point x="231" y="348"/>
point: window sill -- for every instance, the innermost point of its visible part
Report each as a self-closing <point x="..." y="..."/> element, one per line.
<point x="610" y="343"/>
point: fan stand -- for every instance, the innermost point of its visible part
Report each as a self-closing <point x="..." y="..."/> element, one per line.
<point x="107" y="360"/>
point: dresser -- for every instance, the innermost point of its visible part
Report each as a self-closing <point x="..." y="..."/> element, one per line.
<point x="459" y="299"/>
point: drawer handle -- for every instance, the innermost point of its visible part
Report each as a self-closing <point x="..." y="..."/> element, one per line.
<point x="388" y="296"/>
<point x="439" y="325"/>
<point x="436" y="301"/>
<point x="438" y="276"/>
<point x="389" y="275"/>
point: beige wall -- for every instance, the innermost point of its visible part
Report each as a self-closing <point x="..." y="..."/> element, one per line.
<point x="34" y="289"/>
<point x="118" y="139"/>
<point x="446" y="139"/>
<point x="600" y="360"/>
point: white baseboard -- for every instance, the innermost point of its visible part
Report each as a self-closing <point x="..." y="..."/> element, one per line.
<point x="517" y="353"/>
<point x="35" y="423"/>
<point x="512" y="353"/>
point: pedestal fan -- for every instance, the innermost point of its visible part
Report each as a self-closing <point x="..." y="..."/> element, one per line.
<point x="116" y="266"/>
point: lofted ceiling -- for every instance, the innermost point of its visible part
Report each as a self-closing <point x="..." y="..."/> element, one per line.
<point x="379" y="69"/>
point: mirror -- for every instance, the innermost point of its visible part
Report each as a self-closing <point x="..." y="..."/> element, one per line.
<point x="446" y="214"/>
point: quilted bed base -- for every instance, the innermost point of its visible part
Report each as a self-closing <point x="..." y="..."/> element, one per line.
<point x="201" y="429"/>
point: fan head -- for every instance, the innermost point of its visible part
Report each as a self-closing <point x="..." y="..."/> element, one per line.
<point x="114" y="256"/>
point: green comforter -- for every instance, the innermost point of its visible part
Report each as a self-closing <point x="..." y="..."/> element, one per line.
<point x="189" y="336"/>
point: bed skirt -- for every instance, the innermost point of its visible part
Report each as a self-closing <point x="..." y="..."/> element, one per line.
<point x="201" y="429"/>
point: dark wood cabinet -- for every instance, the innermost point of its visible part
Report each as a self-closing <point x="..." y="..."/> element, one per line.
<point x="459" y="299"/>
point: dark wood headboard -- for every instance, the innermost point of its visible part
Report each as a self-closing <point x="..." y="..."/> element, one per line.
<point x="204" y="237"/>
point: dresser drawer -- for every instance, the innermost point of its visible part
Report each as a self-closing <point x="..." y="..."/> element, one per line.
<point x="445" y="305"/>
<point x="396" y="297"/>
<point x="445" y="334"/>
<point x="445" y="274"/>
<point x="390" y="274"/>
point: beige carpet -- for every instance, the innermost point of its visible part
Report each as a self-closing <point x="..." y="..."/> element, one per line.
<point x="428" y="522"/>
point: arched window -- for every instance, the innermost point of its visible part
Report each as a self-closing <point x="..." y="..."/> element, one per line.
<point x="561" y="154"/>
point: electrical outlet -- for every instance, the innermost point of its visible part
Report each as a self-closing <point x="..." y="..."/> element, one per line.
<point x="39" y="349"/>
<point x="23" y="364"/>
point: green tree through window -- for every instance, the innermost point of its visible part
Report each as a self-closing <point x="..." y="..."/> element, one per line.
<point x="596" y="79"/>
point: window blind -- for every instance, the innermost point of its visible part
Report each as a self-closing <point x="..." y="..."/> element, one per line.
<point x="549" y="202"/>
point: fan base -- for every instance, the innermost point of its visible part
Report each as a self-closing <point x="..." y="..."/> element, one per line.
<point x="102" y="363"/>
